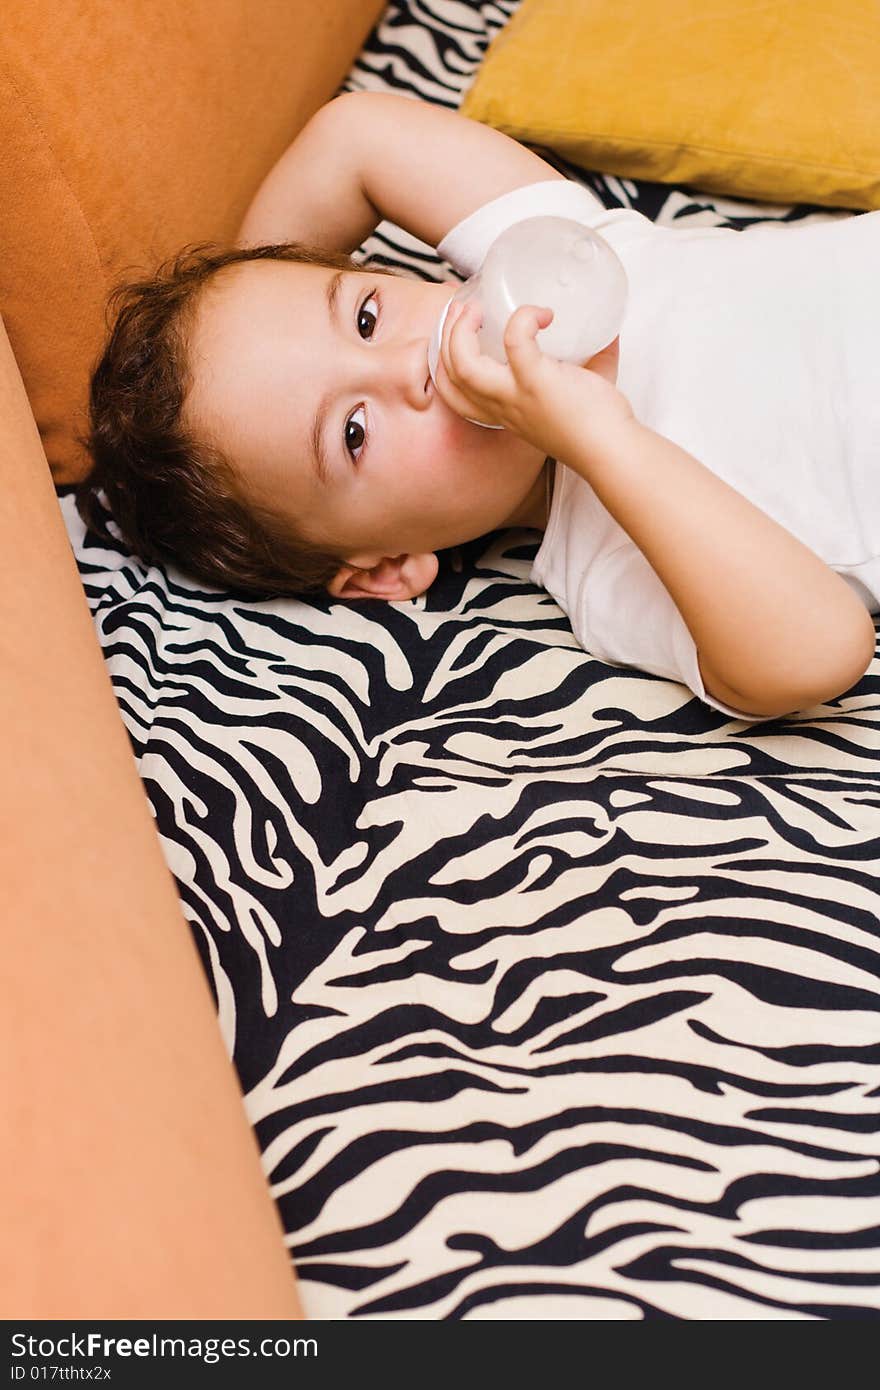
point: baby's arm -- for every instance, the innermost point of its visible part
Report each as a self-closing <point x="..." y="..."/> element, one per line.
<point x="367" y="157"/>
<point x="776" y="630"/>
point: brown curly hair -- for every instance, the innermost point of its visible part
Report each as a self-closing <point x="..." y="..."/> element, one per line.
<point x="173" y="496"/>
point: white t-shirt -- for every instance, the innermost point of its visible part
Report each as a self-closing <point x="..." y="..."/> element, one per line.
<point x="757" y="351"/>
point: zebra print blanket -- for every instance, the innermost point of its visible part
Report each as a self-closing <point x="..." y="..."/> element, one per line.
<point x="551" y="992"/>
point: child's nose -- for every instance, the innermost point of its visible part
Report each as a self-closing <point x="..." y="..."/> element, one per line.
<point x="404" y="370"/>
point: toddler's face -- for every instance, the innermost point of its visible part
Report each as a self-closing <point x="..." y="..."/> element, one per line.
<point x="315" y="383"/>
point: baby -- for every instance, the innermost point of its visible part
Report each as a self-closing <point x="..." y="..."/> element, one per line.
<point x="708" y="486"/>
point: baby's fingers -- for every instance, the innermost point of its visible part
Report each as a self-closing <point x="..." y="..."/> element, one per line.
<point x="466" y="366"/>
<point x="467" y="406"/>
<point x="519" y="336"/>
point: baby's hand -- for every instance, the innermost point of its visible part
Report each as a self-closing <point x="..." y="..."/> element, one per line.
<point x="562" y="409"/>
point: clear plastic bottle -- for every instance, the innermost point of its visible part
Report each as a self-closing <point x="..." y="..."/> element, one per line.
<point x="554" y="262"/>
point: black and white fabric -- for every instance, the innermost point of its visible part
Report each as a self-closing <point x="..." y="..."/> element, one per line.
<point x="552" y="992"/>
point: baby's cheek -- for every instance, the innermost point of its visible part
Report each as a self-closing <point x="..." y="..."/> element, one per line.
<point x="458" y="436"/>
<point x="432" y="450"/>
<point x="455" y="433"/>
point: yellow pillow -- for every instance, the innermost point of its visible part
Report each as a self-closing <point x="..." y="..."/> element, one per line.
<point x="778" y="101"/>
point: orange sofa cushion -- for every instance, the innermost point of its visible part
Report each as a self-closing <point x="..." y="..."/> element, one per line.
<point x="128" y="130"/>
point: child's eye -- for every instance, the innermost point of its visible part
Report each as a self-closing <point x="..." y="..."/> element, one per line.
<point x="368" y="318"/>
<point x="355" y="433"/>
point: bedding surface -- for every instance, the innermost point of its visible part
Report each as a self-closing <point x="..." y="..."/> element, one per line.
<point x="552" y="992"/>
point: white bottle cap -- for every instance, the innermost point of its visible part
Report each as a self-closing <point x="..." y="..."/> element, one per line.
<point x="434" y="344"/>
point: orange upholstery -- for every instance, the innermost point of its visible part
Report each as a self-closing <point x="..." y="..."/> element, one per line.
<point x="129" y="129"/>
<point x="131" y="1184"/>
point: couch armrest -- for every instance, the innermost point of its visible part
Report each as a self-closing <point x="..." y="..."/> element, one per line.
<point x="131" y="1183"/>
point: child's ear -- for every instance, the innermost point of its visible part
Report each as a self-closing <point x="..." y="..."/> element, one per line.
<point x="403" y="577"/>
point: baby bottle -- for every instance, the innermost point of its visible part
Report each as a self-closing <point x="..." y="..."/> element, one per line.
<point x="554" y="262"/>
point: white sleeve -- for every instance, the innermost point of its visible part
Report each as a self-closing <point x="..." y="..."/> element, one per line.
<point x="465" y="246"/>
<point x="630" y="619"/>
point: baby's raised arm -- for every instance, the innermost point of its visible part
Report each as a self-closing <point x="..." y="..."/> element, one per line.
<point x="776" y="629"/>
<point x="368" y="157"/>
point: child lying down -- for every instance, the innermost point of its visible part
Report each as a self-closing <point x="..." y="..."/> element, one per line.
<point x="708" y="486"/>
